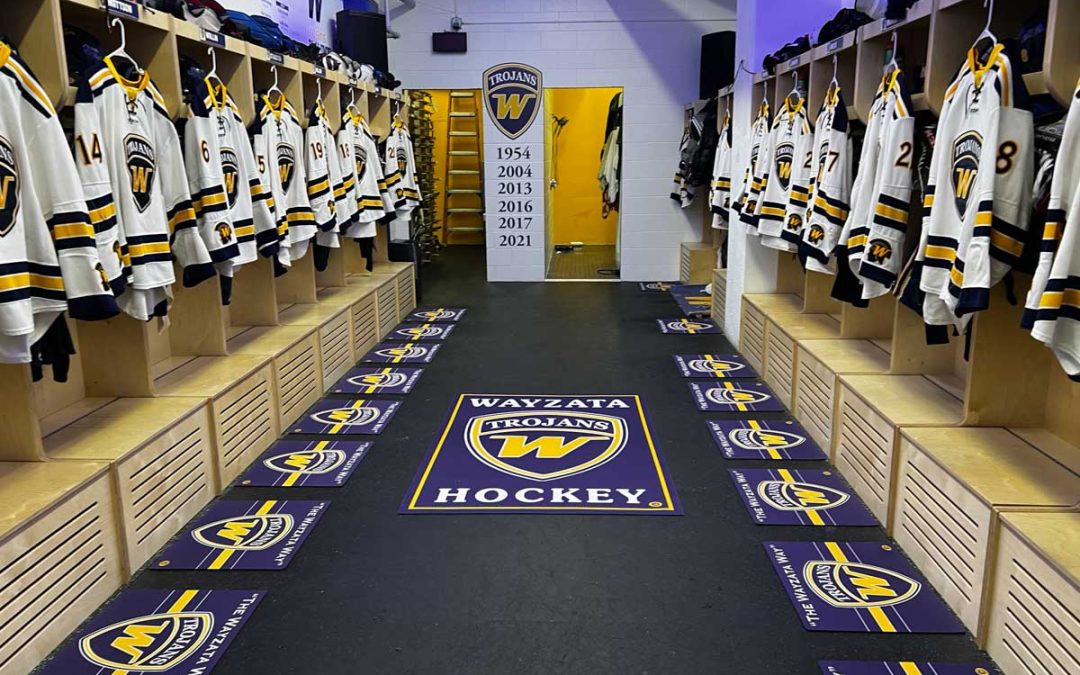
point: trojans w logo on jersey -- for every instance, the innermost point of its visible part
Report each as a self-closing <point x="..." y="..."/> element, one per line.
<point x="402" y="160"/>
<point x="360" y="157"/>
<point x="9" y="187"/>
<point x="785" y="153"/>
<point x="140" y="162"/>
<point x="230" y="170"/>
<point x="965" y="167"/>
<point x="286" y="160"/>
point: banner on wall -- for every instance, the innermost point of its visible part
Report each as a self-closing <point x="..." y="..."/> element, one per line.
<point x="303" y="20"/>
<point x="514" y="187"/>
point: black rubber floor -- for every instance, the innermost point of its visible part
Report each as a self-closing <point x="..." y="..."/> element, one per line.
<point x="375" y="592"/>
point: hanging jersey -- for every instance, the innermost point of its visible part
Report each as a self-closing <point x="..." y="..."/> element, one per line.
<point x="759" y="133"/>
<point x="1053" y="306"/>
<point x="232" y="206"/>
<point x="401" y="172"/>
<point x="48" y="255"/>
<point x="278" y="142"/>
<point x="979" y="195"/>
<point x="785" y="177"/>
<point x="326" y="187"/>
<point x="871" y="243"/>
<point x="830" y="186"/>
<point x="720" y="194"/>
<point x="362" y="167"/>
<point x="682" y="191"/>
<point x="128" y="157"/>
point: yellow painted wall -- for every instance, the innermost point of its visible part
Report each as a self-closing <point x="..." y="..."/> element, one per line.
<point x="576" y="202"/>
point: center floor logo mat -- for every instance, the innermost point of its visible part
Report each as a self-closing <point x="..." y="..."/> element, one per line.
<point x="759" y="439"/>
<point x="902" y="668"/>
<point x="718" y="366"/>
<point x="862" y="587"/>
<point x="402" y="352"/>
<point x="544" y="454"/>
<point x="183" y="631"/>
<point x="421" y="331"/>
<point x="376" y="380"/>
<point x="799" y="497"/>
<point x="735" y="396"/>
<point x="436" y="314"/>
<point x="342" y="416"/>
<point x="687" y="326"/>
<point x="262" y="535"/>
<point x="305" y="464"/>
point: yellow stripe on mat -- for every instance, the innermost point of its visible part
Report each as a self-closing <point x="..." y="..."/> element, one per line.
<point x="880" y="618"/>
<point x="910" y="668"/>
<point x="223" y="557"/>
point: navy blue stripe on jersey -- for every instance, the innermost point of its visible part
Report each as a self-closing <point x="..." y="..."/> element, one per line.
<point x="26" y="95"/>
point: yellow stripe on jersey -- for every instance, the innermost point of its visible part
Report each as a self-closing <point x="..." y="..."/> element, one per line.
<point x="69" y="230"/>
<point x="136" y="250"/>
<point x="890" y="212"/>
<point x="104" y="213"/>
<point x="1006" y="243"/>
<point x="182" y="216"/>
<point x="940" y="253"/>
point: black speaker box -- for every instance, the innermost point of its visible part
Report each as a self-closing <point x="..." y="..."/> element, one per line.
<point x="717" y="62"/>
<point x="362" y="36"/>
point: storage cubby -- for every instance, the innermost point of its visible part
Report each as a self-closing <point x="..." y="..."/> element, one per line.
<point x="233" y="64"/>
<point x="150" y="41"/>
<point x="34" y="26"/>
<point x="325" y="84"/>
<point x="697" y="261"/>
<point x="786" y="74"/>
<point x="264" y="65"/>
<point x="764" y="90"/>
<point x="379" y="115"/>
<point x="875" y="42"/>
<point x="843" y="50"/>
<point x="1032" y="624"/>
<point x="953" y="484"/>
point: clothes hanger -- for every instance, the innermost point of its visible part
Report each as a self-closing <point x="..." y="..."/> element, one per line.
<point x="274" y="89"/>
<point x="794" y="91"/>
<point x="986" y="34"/>
<point x="892" y="64"/>
<point x="835" y="84"/>
<point x="121" y="51"/>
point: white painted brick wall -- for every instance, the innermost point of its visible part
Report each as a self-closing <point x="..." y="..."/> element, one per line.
<point x="649" y="47"/>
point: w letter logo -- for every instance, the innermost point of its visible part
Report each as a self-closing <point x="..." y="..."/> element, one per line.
<point x="512" y="94"/>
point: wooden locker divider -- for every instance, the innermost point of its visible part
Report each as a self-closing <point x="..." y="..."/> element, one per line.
<point x="20" y="430"/>
<point x="150" y="41"/>
<point x="254" y="296"/>
<point x="298" y="284"/>
<point x="34" y="27"/>
<point x="335" y="273"/>
<point x="233" y="64"/>
<point x="875" y="39"/>
<point x="817" y="295"/>
<point x="1061" y="60"/>
<point x="821" y="73"/>
<point x="873" y="322"/>
<point x="379" y="116"/>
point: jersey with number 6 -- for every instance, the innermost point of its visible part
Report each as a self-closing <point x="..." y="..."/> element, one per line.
<point x="978" y="199"/>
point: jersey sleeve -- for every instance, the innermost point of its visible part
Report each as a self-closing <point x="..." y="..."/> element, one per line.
<point x="884" y="249"/>
<point x="56" y="185"/>
<point x="91" y="153"/>
<point x="187" y="246"/>
<point x="206" y="183"/>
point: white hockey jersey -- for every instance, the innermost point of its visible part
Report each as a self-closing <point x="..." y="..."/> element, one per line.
<point x="871" y="242"/>
<point x="401" y="172"/>
<point x="830" y="186"/>
<point x="128" y="155"/>
<point x="326" y="186"/>
<point x="784" y="170"/>
<point x="720" y="192"/>
<point x="1054" y="302"/>
<point x="979" y="195"/>
<point x="232" y="207"/>
<point x="278" y="142"/>
<point x="682" y="191"/>
<point x="364" y="171"/>
<point x="48" y="256"/>
<point x="759" y="132"/>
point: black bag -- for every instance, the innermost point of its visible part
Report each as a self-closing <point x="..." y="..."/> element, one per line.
<point x="702" y="147"/>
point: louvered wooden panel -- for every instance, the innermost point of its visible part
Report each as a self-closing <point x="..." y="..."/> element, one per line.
<point x="719" y="297"/>
<point x="944" y="529"/>
<point x="55" y="572"/>
<point x="815" y="399"/>
<point x="386" y="298"/>
<point x="365" y="325"/>
<point x="246" y="421"/>
<point x="164" y="484"/>
<point x="1034" y="620"/>
<point x="297" y="380"/>
<point x="780" y="363"/>
<point x="406" y="291"/>
<point x="752" y="342"/>
<point x="684" y="265"/>
<point x="864" y="450"/>
<point x="335" y="346"/>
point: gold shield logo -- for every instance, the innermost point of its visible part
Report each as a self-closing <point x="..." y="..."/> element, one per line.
<point x="545" y="445"/>
<point x="795" y="496"/>
<point x="306" y="461"/>
<point x="857" y="585"/>
<point x="148" y="644"/>
<point x="256" y="532"/>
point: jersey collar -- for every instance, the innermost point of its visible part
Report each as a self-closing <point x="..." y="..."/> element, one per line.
<point x="5" y="54"/>
<point x="276" y="109"/>
<point x="132" y="87"/>
<point x="219" y="95"/>
<point x="979" y="70"/>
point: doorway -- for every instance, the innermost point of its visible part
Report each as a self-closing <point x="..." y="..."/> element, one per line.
<point x="583" y="139"/>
